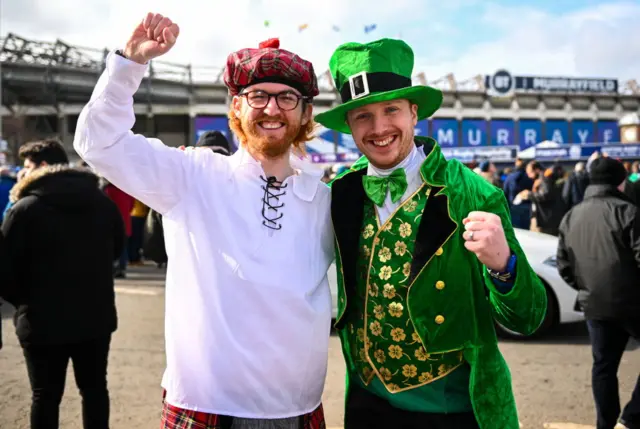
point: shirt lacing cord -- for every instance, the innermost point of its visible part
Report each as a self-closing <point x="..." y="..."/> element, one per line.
<point x="272" y="184"/>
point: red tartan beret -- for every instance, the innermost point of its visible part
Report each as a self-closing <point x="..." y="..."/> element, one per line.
<point x="269" y="63"/>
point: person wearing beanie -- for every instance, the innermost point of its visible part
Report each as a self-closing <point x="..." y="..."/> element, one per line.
<point x="216" y="141"/>
<point x="247" y="331"/>
<point x="599" y="256"/>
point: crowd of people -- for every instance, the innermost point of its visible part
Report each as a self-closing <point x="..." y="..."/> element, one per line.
<point x="426" y="254"/>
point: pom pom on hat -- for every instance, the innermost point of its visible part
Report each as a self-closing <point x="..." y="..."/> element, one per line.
<point x="270" y="43"/>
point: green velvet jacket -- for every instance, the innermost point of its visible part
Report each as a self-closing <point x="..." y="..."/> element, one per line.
<point x="470" y="302"/>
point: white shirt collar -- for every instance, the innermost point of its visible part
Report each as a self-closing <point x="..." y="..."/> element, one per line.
<point x="305" y="181"/>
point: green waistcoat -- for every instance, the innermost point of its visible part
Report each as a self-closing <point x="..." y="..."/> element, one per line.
<point x="389" y="357"/>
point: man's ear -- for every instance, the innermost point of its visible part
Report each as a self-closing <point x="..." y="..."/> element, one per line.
<point x="307" y="114"/>
<point x="236" y="104"/>
<point x="414" y="114"/>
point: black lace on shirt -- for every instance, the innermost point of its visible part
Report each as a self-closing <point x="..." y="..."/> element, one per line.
<point x="272" y="192"/>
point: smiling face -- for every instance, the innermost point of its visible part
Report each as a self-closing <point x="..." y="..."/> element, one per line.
<point x="270" y="129"/>
<point x="384" y="131"/>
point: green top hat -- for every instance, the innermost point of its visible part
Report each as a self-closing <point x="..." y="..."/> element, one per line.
<point x="374" y="72"/>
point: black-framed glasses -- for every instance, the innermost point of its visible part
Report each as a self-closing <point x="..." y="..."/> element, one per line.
<point x="285" y="100"/>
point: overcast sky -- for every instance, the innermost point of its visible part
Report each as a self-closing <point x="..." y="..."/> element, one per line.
<point x="582" y="38"/>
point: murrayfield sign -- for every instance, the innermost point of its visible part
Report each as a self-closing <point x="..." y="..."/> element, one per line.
<point x="502" y="83"/>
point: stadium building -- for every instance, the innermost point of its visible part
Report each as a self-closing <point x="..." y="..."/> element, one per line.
<point x="497" y="117"/>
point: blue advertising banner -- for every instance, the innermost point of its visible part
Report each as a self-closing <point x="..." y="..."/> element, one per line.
<point x="422" y="128"/>
<point x="529" y="133"/>
<point x="557" y="131"/>
<point x="474" y="132"/>
<point x="445" y="131"/>
<point x="502" y="132"/>
<point x="481" y="153"/>
<point x="608" y="132"/>
<point x="622" y="150"/>
<point x="583" y="132"/>
<point x="212" y="123"/>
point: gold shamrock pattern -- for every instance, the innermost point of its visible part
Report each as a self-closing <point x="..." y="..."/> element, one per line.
<point x="384" y="342"/>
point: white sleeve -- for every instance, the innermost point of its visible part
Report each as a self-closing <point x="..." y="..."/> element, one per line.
<point x="142" y="167"/>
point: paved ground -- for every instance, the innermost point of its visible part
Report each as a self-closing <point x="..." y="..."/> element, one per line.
<point x="551" y="376"/>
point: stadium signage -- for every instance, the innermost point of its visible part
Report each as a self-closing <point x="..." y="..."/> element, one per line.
<point x="502" y="83"/>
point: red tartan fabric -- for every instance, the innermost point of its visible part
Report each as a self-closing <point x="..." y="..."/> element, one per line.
<point x="178" y="418"/>
<point x="248" y="66"/>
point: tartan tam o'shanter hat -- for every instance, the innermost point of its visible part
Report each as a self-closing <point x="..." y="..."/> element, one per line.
<point x="375" y="72"/>
<point x="269" y="63"/>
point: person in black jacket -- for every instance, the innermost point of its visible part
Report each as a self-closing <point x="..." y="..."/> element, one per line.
<point x="599" y="255"/>
<point x="62" y="236"/>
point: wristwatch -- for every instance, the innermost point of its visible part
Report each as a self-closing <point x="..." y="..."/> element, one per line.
<point x="119" y="52"/>
<point x="509" y="273"/>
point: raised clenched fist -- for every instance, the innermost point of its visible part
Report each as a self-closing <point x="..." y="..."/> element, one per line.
<point x="153" y="37"/>
<point x="484" y="236"/>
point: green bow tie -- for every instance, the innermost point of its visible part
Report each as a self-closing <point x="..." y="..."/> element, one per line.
<point x="376" y="187"/>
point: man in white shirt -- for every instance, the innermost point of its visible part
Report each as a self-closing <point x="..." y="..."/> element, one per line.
<point x="248" y="306"/>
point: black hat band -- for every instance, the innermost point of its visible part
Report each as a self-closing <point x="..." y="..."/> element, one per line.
<point x="363" y="84"/>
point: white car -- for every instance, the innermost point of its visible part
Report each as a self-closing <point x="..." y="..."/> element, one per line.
<point x="541" y="254"/>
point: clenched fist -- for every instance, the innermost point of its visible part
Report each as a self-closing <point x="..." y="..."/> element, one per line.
<point x="485" y="237"/>
<point x="153" y="37"/>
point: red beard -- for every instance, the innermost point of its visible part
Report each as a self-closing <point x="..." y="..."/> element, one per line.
<point x="270" y="146"/>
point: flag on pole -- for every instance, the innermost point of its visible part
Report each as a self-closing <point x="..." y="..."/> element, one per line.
<point x="335" y="28"/>
<point x="302" y="27"/>
<point x="369" y="28"/>
<point x="266" y="23"/>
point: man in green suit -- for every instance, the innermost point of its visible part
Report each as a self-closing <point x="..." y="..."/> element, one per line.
<point x="427" y="260"/>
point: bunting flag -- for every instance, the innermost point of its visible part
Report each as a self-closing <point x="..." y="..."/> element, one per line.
<point x="335" y="28"/>
<point x="266" y="23"/>
<point x="369" y="28"/>
<point x="302" y="27"/>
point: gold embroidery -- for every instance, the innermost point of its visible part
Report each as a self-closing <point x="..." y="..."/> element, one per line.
<point x="360" y="334"/>
<point x="398" y="334"/>
<point x="405" y="230"/>
<point x="368" y="231"/>
<point x="400" y="248"/>
<point x="425" y="377"/>
<point x="411" y="207"/>
<point x="389" y="291"/>
<point x="375" y="328"/>
<point x="395" y="352"/>
<point x="385" y="373"/>
<point x="395" y="309"/>
<point x="384" y="254"/>
<point x="409" y="371"/>
<point x="406" y="269"/>
<point x="380" y="356"/>
<point x="385" y="273"/>
<point x="421" y="354"/>
<point x="373" y="290"/>
<point x="378" y="312"/>
<point x="366" y="252"/>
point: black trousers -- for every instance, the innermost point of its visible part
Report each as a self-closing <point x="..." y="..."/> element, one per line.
<point x="47" y="368"/>
<point x="367" y="411"/>
<point x="608" y="342"/>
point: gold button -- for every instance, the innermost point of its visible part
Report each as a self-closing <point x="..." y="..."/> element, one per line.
<point x="439" y="285"/>
<point x="439" y="319"/>
<point x="439" y="251"/>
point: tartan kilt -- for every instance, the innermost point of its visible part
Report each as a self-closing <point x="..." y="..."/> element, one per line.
<point x="179" y="418"/>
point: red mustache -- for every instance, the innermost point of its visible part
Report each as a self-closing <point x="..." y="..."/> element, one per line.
<point x="266" y="118"/>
